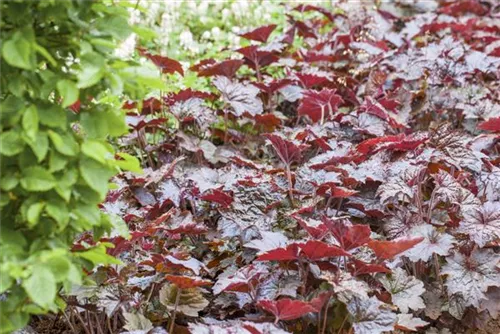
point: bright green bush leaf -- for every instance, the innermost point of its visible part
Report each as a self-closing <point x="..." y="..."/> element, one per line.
<point x="96" y="175"/>
<point x="59" y="264"/>
<point x="64" y="184"/>
<point x="11" y="143"/>
<point x="98" y="255"/>
<point x="97" y="150"/>
<point x="129" y="163"/>
<point x="5" y="280"/>
<point x="9" y="180"/>
<point x="17" y="52"/>
<point x="41" y="286"/>
<point x="39" y="145"/>
<point x="92" y="70"/>
<point x="33" y="213"/>
<point x="58" y="210"/>
<point x="37" y="179"/>
<point x="56" y="161"/>
<point x="68" y="91"/>
<point x="30" y="121"/>
<point x="53" y="116"/>
<point x="64" y="144"/>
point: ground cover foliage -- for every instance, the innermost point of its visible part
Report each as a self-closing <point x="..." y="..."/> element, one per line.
<point x="336" y="175"/>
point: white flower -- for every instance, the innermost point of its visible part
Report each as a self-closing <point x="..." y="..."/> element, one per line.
<point x="216" y="32"/>
<point x="206" y="35"/>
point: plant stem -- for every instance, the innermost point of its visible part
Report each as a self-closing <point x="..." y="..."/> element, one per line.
<point x="323" y="328"/>
<point x="290" y="184"/>
<point x="70" y="323"/>
<point x="177" y="298"/>
<point x="437" y="269"/>
<point x="226" y="127"/>
<point x="342" y="324"/>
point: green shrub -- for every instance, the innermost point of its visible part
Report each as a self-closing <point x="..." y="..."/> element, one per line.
<point x="60" y="86"/>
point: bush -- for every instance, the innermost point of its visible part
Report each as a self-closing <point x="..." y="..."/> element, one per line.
<point x="59" y="100"/>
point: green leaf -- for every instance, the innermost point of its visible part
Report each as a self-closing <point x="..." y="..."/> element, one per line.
<point x="97" y="255"/>
<point x="30" y="121"/>
<point x="41" y="286"/>
<point x="101" y="124"/>
<point x="33" y="213"/>
<point x="115" y="26"/>
<point x="88" y="215"/>
<point x="43" y="51"/>
<point x="11" y="143"/>
<point x="37" y="179"/>
<point x="53" y="116"/>
<point x="58" y="210"/>
<point x="68" y="91"/>
<point x="9" y="180"/>
<point x="59" y="264"/>
<point x="97" y="150"/>
<point x="39" y="146"/>
<point x="5" y="280"/>
<point x="17" y="52"/>
<point x="96" y="175"/>
<point x="64" y="144"/>
<point x="56" y="161"/>
<point x="65" y="184"/>
<point x="119" y="225"/>
<point x="92" y="69"/>
<point x="129" y="163"/>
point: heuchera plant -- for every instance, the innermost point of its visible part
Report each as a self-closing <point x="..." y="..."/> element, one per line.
<point x="340" y="175"/>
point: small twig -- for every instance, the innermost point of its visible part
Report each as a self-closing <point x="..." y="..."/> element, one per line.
<point x="70" y="323"/>
<point x="437" y="270"/>
<point x="98" y="324"/>
<point x="342" y="324"/>
<point x="177" y="298"/>
<point x="108" y="322"/>
<point x="290" y="183"/>
<point x="323" y="328"/>
<point x="89" y="321"/>
<point x="81" y="320"/>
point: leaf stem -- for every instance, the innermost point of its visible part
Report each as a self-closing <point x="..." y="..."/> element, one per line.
<point x="177" y="298"/>
<point x="290" y="183"/>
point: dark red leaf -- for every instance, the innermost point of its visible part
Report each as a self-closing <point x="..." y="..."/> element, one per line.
<point x="492" y="125"/>
<point x="399" y="142"/>
<point x="218" y="197"/>
<point x="348" y="236"/>
<point x="256" y="58"/>
<point x="260" y="34"/>
<point x="288" y="253"/>
<point x="286" y="308"/>
<point x="315" y="231"/>
<point x="187" y="94"/>
<point x="288" y="151"/>
<point x="319" y="301"/>
<point x="310" y="80"/>
<point x="312" y="250"/>
<point x="460" y="7"/>
<point x="361" y="268"/>
<point x="319" y="106"/>
<point x="187" y="282"/>
<point x="226" y="68"/>
<point x="308" y="8"/>
<point x="273" y="86"/>
<point x="386" y="250"/>
<point x="332" y="190"/>
<point x="167" y="65"/>
<point x="267" y="122"/>
<point x="316" y="250"/>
